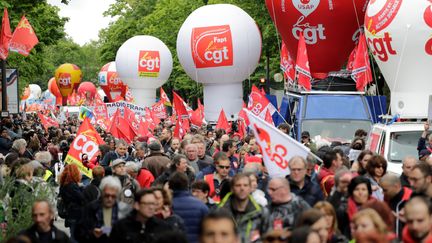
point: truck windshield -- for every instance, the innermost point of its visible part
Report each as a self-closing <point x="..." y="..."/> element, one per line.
<point x="335" y="130"/>
<point x="403" y="144"/>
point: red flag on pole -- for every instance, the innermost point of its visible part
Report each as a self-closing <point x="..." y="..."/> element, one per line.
<point x="242" y="115"/>
<point x="47" y="121"/>
<point x="361" y="71"/>
<point x="113" y="125"/>
<point x="287" y="64"/>
<point x="131" y="119"/>
<point x="24" y="38"/>
<point x="5" y="36"/>
<point x="302" y="65"/>
<point x="258" y="103"/>
<point x="158" y="110"/>
<point x="222" y="121"/>
<point x="164" y="97"/>
<point x="179" y="106"/>
<point x="268" y="118"/>
<point x="179" y="131"/>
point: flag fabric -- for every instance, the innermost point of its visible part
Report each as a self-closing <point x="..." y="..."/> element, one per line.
<point x="24" y="38"/>
<point x="87" y="141"/>
<point x="113" y="124"/>
<point x="179" y="106"/>
<point x="131" y="118"/>
<point x="197" y="118"/>
<point x="287" y="64"/>
<point x="361" y="70"/>
<point x="268" y="118"/>
<point x="222" y="122"/>
<point x="47" y="121"/>
<point x="259" y="104"/>
<point x="164" y="97"/>
<point x="302" y="65"/>
<point x="277" y="147"/>
<point x="179" y="131"/>
<point x="350" y="63"/>
<point x="242" y="115"/>
<point x="128" y="95"/>
<point x="158" y="110"/>
<point x="5" y="36"/>
<point x="85" y="112"/>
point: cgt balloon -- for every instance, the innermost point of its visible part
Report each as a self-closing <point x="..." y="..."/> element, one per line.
<point x="110" y="82"/>
<point x="144" y="63"/>
<point x="219" y="46"/>
<point x="53" y="89"/>
<point x="330" y="28"/>
<point x="68" y="77"/>
<point x="87" y="90"/>
<point x="399" y="35"/>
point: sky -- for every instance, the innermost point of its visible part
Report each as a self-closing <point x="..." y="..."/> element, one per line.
<point x="85" y="18"/>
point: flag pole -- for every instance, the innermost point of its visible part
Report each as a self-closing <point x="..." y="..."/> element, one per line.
<point x="4" y="86"/>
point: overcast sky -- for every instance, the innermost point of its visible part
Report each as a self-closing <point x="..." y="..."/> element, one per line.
<point x="85" y="18"/>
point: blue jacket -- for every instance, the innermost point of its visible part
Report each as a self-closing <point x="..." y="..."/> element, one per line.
<point x="311" y="191"/>
<point x="191" y="210"/>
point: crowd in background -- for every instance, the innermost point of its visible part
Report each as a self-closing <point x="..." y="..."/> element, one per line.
<point x="209" y="186"/>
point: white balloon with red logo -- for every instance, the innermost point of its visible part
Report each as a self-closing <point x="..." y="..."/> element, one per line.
<point x="219" y="46"/>
<point x="399" y="35"/>
<point x="144" y="63"/>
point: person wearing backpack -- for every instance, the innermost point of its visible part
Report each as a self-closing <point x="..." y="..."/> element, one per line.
<point x="92" y="192"/>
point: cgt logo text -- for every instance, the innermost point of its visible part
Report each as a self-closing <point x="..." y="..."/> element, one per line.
<point x="148" y="64"/>
<point x="382" y="47"/>
<point x="311" y="33"/>
<point x="65" y="80"/>
<point x="212" y="46"/>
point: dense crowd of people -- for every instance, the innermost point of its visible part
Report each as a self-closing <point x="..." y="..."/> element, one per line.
<point x="208" y="186"/>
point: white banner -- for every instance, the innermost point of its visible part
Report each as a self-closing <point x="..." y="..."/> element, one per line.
<point x="12" y="90"/>
<point x="277" y="147"/>
<point x="112" y="108"/>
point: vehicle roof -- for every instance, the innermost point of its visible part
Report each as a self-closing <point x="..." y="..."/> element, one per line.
<point x="400" y="126"/>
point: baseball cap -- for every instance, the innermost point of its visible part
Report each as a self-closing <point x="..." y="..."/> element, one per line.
<point x="117" y="162"/>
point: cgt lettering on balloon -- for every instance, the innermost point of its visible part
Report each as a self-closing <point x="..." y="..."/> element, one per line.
<point x="311" y="33"/>
<point x="382" y="47"/>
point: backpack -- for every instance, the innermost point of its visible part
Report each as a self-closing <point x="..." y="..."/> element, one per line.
<point x="62" y="209"/>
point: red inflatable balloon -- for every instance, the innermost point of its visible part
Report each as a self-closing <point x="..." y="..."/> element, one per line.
<point x="330" y="28"/>
<point x="110" y="82"/>
<point x="53" y="89"/>
<point x="87" y="89"/>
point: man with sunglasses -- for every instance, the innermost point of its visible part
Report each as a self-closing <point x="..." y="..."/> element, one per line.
<point x="215" y="179"/>
<point x="99" y="216"/>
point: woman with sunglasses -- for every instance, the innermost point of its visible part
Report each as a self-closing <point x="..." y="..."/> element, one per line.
<point x="376" y="168"/>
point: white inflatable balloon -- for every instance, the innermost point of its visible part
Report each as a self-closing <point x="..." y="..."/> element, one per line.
<point x="144" y="63"/>
<point x="399" y="35"/>
<point x="35" y="91"/>
<point x="219" y="45"/>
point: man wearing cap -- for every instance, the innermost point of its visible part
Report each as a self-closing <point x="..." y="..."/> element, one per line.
<point x="156" y="162"/>
<point x="129" y="185"/>
<point x="306" y="141"/>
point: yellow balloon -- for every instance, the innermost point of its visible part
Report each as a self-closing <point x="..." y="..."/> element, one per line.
<point x="68" y="77"/>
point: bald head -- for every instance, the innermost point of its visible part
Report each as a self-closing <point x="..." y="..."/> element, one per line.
<point x="279" y="190"/>
<point x="408" y="164"/>
<point x="391" y="185"/>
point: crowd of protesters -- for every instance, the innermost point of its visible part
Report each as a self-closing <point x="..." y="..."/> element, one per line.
<point x="209" y="186"/>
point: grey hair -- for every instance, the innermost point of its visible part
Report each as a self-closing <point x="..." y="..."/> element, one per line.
<point x="339" y="173"/>
<point x="121" y="142"/>
<point x="298" y="159"/>
<point x="130" y="165"/>
<point x="44" y="157"/>
<point x="19" y="143"/>
<point x="142" y="146"/>
<point x="111" y="182"/>
<point x="50" y="205"/>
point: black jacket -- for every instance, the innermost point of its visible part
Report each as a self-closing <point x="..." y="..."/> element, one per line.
<point x="92" y="192"/>
<point x="311" y="191"/>
<point x="74" y="200"/>
<point x="129" y="230"/>
<point x="5" y="145"/>
<point x="57" y="236"/>
<point x="110" y="157"/>
<point x="92" y="217"/>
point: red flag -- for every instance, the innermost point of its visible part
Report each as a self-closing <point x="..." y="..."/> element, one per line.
<point x="24" y="38"/>
<point x="5" y="36"/>
<point x="144" y="128"/>
<point x="258" y="103"/>
<point x="164" y="97"/>
<point x="179" y="131"/>
<point x="148" y="117"/>
<point x="47" y="121"/>
<point x="243" y="116"/>
<point x="241" y="128"/>
<point x="197" y="116"/>
<point x="131" y="119"/>
<point x="287" y="64"/>
<point x="87" y="141"/>
<point x="179" y="106"/>
<point x="302" y="64"/>
<point x="350" y="63"/>
<point x="361" y="71"/>
<point x="223" y="121"/>
<point x="113" y="125"/>
<point x="268" y="118"/>
<point x="124" y="130"/>
<point x="158" y="110"/>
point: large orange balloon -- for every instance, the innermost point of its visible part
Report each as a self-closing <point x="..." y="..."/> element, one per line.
<point x="68" y="77"/>
<point x="53" y="88"/>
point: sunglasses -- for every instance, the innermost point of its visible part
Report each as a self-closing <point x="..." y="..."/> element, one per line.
<point x="224" y="167"/>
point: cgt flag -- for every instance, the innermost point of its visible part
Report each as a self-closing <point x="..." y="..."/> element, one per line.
<point x="5" y="36"/>
<point x="277" y="147"/>
<point x="24" y="38"/>
<point x="87" y="142"/>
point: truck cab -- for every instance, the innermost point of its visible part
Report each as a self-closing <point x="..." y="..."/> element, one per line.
<point x="327" y="116"/>
<point x="395" y="141"/>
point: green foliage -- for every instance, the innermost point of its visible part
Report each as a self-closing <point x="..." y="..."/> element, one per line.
<point x="164" y="18"/>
